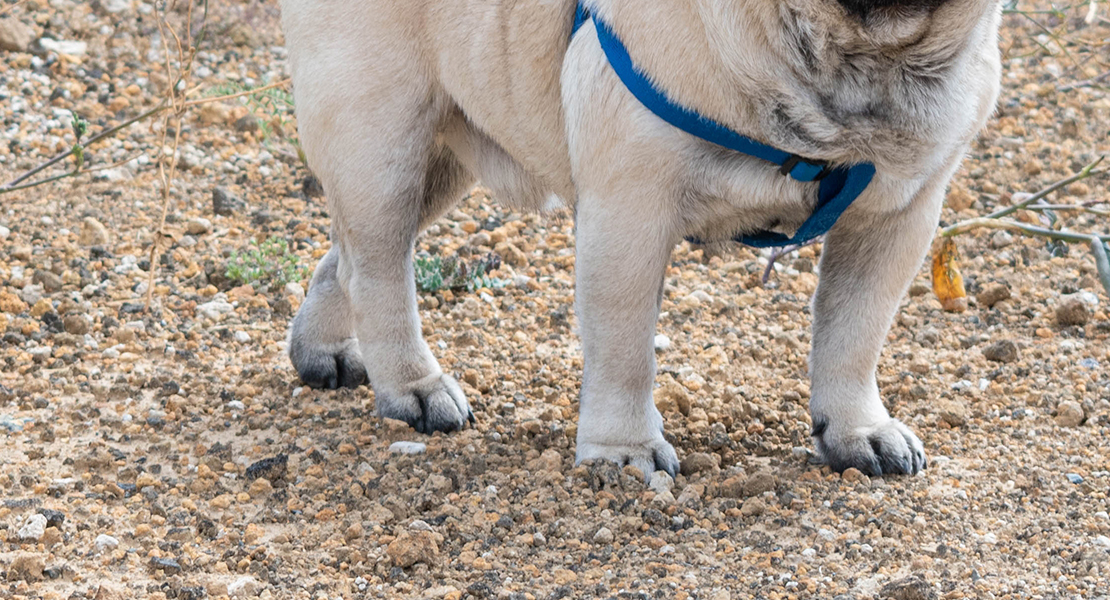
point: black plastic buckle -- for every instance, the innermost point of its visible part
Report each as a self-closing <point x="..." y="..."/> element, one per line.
<point x="793" y="160"/>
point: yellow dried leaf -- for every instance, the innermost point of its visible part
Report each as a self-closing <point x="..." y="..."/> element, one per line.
<point x="948" y="284"/>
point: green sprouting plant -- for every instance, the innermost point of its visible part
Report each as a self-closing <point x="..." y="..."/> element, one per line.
<point x="269" y="263"/>
<point x="80" y="127"/>
<point x="435" y="273"/>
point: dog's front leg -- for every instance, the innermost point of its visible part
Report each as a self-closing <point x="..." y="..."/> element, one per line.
<point x="867" y="263"/>
<point x="622" y="252"/>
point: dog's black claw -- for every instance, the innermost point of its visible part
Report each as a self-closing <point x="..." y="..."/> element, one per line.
<point x="662" y="463"/>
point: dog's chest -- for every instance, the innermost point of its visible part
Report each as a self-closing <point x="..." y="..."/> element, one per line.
<point x="728" y="194"/>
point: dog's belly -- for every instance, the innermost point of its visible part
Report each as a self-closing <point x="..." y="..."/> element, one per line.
<point x="500" y="62"/>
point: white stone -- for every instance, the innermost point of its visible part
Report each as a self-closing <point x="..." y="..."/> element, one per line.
<point x="661" y="481"/>
<point x="105" y="542"/>
<point x="116" y="6"/>
<point x="1001" y="239"/>
<point x="70" y="47"/>
<point x="604" y="536"/>
<point x="4" y="233"/>
<point x="295" y="290"/>
<point x="33" y="528"/>
<point x="662" y="342"/>
<point x="215" y="309"/>
<point x="244" y="587"/>
<point x="1088" y="298"/>
<point x="408" y="448"/>
<point x="242" y="337"/>
<point x="664" y="498"/>
<point x="198" y="226"/>
<point x="116" y="174"/>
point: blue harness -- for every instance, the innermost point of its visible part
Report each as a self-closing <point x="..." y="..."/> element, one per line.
<point x="839" y="186"/>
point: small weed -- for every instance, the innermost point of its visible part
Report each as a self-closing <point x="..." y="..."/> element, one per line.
<point x="271" y="109"/>
<point x="269" y="263"/>
<point x="434" y="273"/>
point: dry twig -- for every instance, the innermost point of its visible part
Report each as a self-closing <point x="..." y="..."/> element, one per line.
<point x="995" y="220"/>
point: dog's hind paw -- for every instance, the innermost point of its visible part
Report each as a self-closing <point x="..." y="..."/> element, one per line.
<point x="435" y="403"/>
<point x="656" y="455"/>
<point x="328" y="366"/>
<point x="889" y="448"/>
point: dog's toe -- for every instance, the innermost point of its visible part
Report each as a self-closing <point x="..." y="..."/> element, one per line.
<point x="329" y="367"/>
<point x="648" y="457"/>
<point x="889" y="448"/>
<point x="435" y="403"/>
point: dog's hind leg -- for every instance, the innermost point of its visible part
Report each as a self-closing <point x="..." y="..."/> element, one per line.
<point x="368" y="111"/>
<point x="867" y="263"/>
<point x="322" y="342"/>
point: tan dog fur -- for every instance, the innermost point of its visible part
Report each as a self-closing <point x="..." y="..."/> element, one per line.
<point x="403" y="104"/>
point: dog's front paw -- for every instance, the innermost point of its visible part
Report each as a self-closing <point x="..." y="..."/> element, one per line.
<point x="648" y="457"/>
<point x="435" y="403"/>
<point x="889" y="448"/>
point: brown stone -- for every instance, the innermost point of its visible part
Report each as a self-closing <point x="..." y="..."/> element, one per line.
<point x="93" y="233"/>
<point x="993" y="294"/>
<point x="15" y="36"/>
<point x="698" y="462"/>
<point x="27" y="566"/>
<point x="733" y="487"/>
<point x="952" y="412"/>
<point x="412" y="547"/>
<point x="854" y="475"/>
<point x="910" y="588"/>
<point x="671" y="396"/>
<point x="1070" y="414"/>
<point x="1072" y="312"/>
<point x="76" y="324"/>
<point x="753" y="507"/>
<point x="763" y="481"/>
<point x="1005" y="351"/>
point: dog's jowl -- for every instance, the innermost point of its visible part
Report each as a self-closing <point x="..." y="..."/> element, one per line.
<point x="865" y="106"/>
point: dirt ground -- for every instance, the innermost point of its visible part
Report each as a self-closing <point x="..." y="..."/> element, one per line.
<point x="172" y="453"/>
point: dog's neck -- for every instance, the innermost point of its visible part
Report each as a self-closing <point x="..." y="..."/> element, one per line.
<point x="812" y="77"/>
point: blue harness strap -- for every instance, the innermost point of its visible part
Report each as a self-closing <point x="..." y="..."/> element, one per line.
<point x="839" y="186"/>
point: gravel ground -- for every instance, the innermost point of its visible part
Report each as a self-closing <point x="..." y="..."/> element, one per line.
<point x="173" y="453"/>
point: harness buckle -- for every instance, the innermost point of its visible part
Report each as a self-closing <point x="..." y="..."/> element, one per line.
<point x="792" y="161"/>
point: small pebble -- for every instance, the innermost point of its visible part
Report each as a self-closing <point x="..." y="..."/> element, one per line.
<point x="33" y="528"/>
<point x="1005" y="351"/>
<point x="1072" y="312"/>
<point x="604" y="536"/>
<point x="105" y="542"/>
<point x="198" y="226"/>
<point x="408" y="448"/>
<point x="1070" y="414"/>
<point x="1001" y="239"/>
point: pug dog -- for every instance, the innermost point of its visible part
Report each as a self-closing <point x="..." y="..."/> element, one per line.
<point x="403" y="105"/>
